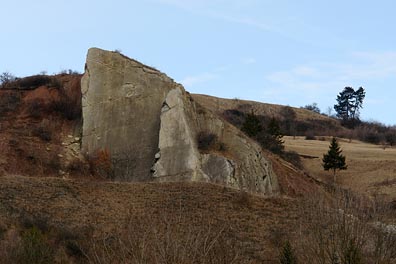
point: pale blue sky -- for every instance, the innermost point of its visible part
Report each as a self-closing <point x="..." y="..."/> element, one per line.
<point x="275" y="51"/>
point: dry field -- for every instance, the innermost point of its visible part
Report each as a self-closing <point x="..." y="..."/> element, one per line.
<point x="371" y="168"/>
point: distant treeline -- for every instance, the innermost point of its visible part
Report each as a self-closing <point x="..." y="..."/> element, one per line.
<point x="367" y="131"/>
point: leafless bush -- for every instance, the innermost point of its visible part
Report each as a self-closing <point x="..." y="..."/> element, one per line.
<point x="117" y="166"/>
<point x="310" y="136"/>
<point x="208" y="141"/>
<point x="78" y="167"/>
<point x="31" y="246"/>
<point x="168" y="240"/>
<point x="35" y="108"/>
<point x="6" y="78"/>
<point x="66" y="106"/>
<point x="9" y="101"/>
<point x="43" y="133"/>
<point x="100" y="164"/>
<point x="347" y="230"/>
<point x="33" y="82"/>
<point x="30" y="82"/>
<point x="235" y="117"/>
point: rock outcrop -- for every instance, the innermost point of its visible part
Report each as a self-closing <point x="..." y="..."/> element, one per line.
<point x="150" y="125"/>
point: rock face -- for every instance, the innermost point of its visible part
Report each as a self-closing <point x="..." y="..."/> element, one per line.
<point x="122" y="101"/>
<point x="150" y="126"/>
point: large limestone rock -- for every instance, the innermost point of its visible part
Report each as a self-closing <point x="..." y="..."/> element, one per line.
<point x="149" y="124"/>
<point x="122" y="101"/>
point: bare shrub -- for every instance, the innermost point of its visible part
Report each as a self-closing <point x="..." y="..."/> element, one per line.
<point x="6" y="78"/>
<point x="208" y="141"/>
<point x="35" y="248"/>
<point x="117" y="166"/>
<point x="100" y="164"/>
<point x="167" y="240"/>
<point x="235" y="117"/>
<point x="43" y="133"/>
<point x="35" y="108"/>
<point x="78" y="167"/>
<point x="66" y="106"/>
<point x="287" y="255"/>
<point x="9" y="102"/>
<point x="31" y="82"/>
<point x="347" y="230"/>
<point x="8" y="246"/>
<point x="310" y="136"/>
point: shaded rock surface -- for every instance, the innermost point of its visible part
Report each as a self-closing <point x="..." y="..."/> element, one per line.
<point x="135" y="111"/>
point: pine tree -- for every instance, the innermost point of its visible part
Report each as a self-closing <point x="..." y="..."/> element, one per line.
<point x="287" y="255"/>
<point x="274" y="130"/>
<point x="348" y="104"/>
<point x="252" y="125"/>
<point x="358" y="95"/>
<point x="334" y="160"/>
<point x="344" y="103"/>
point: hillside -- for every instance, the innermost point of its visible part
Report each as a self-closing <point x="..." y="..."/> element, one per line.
<point x="371" y="168"/>
<point x="79" y="208"/>
<point x="40" y="138"/>
<point x="47" y="183"/>
<point x="122" y="165"/>
<point x="219" y="105"/>
<point x="40" y="119"/>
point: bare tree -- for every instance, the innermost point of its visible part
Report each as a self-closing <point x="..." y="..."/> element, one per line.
<point x="6" y="77"/>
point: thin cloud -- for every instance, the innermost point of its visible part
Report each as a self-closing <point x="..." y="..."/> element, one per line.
<point x="211" y="9"/>
<point x="361" y="66"/>
<point x="321" y="82"/>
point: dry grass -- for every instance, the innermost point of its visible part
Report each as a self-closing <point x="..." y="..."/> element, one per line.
<point x="172" y="239"/>
<point x="371" y="169"/>
<point x="345" y="229"/>
<point x="218" y="105"/>
<point x="100" y="209"/>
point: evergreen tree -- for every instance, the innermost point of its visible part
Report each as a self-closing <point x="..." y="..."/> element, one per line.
<point x="334" y="160"/>
<point x="274" y="130"/>
<point x="252" y="125"/>
<point x="289" y="120"/>
<point x="358" y="95"/>
<point x="348" y="104"/>
<point x="344" y="103"/>
<point x="287" y="255"/>
<point x="271" y="139"/>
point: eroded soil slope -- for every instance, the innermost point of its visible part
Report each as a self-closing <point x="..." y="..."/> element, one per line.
<point x="39" y="125"/>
